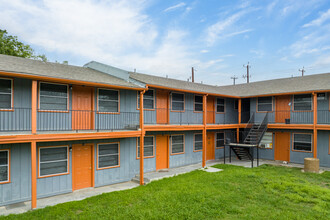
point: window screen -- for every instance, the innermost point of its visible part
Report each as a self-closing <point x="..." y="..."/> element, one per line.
<point x="302" y="142"/>
<point x="177" y="101"/>
<point x="108" y="100"/>
<point x="148" y="150"/>
<point x="220" y="105"/>
<point x="5" y="93"/>
<point x="220" y="139"/>
<point x="198" y="103"/>
<point x="4" y="165"/>
<point x="108" y="155"/>
<point x="148" y="99"/>
<point x="198" y="142"/>
<point x="53" y="97"/>
<point x="177" y="143"/>
<point x="53" y="160"/>
<point x="265" y="104"/>
<point x="302" y="102"/>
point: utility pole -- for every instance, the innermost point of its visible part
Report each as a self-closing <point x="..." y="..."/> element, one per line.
<point x="234" y="78"/>
<point x="192" y="74"/>
<point x="302" y="71"/>
<point x="247" y="76"/>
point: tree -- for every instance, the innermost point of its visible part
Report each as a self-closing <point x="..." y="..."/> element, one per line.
<point x="10" y="45"/>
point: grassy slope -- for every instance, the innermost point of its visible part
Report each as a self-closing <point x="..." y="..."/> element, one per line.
<point x="266" y="192"/>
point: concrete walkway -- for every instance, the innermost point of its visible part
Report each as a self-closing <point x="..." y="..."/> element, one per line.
<point x="149" y="177"/>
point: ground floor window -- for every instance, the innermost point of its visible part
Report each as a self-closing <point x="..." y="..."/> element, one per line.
<point x="108" y="155"/>
<point x="302" y="142"/>
<point x="220" y="140"/>
<point x="198" y="142"/>
<point x="267" y="140"/>
<point x="148" y="150"/>
<point x="4" y="166"/>
<point x="177" y="144"/>
<point x="53" y="161"/>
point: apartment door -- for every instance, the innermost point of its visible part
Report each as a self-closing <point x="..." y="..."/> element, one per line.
<point x="282" y="106"/>
<point x="210" y="110"/>
<point x="282" y="146"/>
<point x="162" y="107"/>
<point x="162" y="161"/>
<point x="82" y="105"/>
<point x="210" y="149"/>
<point x="82" y="166"/>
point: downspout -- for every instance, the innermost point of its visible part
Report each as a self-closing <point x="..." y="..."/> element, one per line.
<point x="204" y="131"/>
<point x="314" y="125"/>
<point x="239" y="118"/>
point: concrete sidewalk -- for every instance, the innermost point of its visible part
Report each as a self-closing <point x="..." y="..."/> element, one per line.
<point x="149" y="177"/>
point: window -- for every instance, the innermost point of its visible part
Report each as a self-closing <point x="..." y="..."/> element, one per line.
<point x="4" y="166"/>
<point x="108" y="155"/>
<point x="302" y="142"/>
<point x="267" y="140"/>
<point x="220" y="105"/>
<point x="198" y="142"/>
<point x="6" y="93"/>
<point x="177" y="144"/>
<point x="53" y="161"/>
<point x="302" y="102"/>
<point x="220" y="140"/>
<point x="236" y="104"/>
<point x="148" y="100"/>
<point x="177" y="102"/>
<point x="265" y="104"/>
<point x="108" y="100"/>
<point x="148" y="150"/>
<point x="53" y="97"/>
<point x="198" y="103"/>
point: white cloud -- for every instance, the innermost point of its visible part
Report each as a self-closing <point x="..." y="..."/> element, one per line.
<point x="204" y="51"/>
<point x="320" y="20"/>
<point x="238" y="33"/>
<point x="174" y="7"/>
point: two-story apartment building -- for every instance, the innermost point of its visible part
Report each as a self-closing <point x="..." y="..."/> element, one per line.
<point x="64" y="128"/>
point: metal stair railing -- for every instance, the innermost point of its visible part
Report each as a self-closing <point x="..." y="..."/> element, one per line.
<point x="248" y="127"/>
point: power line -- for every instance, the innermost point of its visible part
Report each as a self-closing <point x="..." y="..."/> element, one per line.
<point x="247" y="76"/>
<point x="302" y="71"/>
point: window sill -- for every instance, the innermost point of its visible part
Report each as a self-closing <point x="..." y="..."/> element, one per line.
<point x="53" y="175"/>
<point x="105" y="168"/>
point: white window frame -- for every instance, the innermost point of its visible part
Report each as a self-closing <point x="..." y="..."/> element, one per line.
<point x="8" y="166"/>
<point x="53" y="174"/>
<point x="11" y="94"/>
<point x="98" y="156"/>
<point x="67" y="97"/>
<point x="98" y="99"/>
<point x="144" y="147"/>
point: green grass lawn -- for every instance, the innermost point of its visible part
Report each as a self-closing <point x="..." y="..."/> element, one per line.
<point x="266" y="192"/>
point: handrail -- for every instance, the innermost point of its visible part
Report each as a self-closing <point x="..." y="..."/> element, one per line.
<point x="263" y="126"/>
<point x="248" y="126"/>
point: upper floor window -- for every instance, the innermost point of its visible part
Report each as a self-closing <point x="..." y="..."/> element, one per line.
<point x="177" y="144"/>
<point x="265" y="104"/>
<point x="53" y="161"/>
<point x="108" y="100"/>
<point x="236" y="104"/>
<point x="6" y="91"/>
<point x="220" y="105"/>
<point x="302" y="142"/>
<point x="177" y="101"/>
<point x="302" y="102"/>
<point x="4" y="166"/>
<point x="53" y="97"/>
<point x="108" y="155"/>
<point x="220" y="139"/>
<point x="148" y="99"/>
<point x="198" y="142"/>
<point x="148" y="149"/>
<point x="198" y="103"/>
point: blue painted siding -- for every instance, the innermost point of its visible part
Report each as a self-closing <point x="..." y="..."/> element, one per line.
<point x="19" y="188"/>
<point x="230" y="116"/>
<point x="323" y="148"/>
<point x="323" y="114"/>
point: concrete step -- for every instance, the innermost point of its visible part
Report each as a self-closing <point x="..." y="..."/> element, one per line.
<point x="136" y="179"/>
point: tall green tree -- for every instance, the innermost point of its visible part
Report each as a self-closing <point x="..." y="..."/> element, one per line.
<point x="10" y="45"/>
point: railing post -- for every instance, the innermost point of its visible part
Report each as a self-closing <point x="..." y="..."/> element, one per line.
<point x="33" y="175"/>
<point x="34" y="107"/>
<point x="314" y="125"/>
<point x="141" y="139"/>
<point x="204" y="131"/>
<point x="239" y="118"/>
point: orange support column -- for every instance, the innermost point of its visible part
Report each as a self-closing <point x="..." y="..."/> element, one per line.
<point x="33" y="175"/>
<point x="239" y="118"/>
<point x="204" y="131"/>
<point x="34" y="107"/>
<point x="314" y="125"/>
<point x="141" y="139"/>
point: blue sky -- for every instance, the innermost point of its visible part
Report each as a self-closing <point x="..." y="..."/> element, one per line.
<point x="169" y="37"/>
